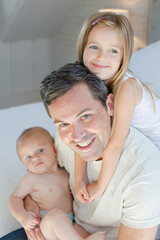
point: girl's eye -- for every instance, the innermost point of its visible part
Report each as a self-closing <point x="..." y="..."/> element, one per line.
<point x="86" y="116"/>
<point x="94" y="47"/>
<point x="113" y="51"/>
<point x="28" y="157"/>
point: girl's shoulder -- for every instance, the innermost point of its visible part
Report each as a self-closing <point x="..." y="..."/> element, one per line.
<point x="133" y="86"/>
<point x="130" y="75"/>
<point x="131" y="78"/>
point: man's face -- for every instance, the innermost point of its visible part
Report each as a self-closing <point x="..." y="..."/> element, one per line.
<point x="82" y="121"/>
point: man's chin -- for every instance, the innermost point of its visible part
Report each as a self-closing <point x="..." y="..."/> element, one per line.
<point x="89" y="158"/>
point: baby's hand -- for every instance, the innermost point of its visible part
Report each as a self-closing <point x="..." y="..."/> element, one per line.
<point x="81" y="192"/>
<point x="94" y="191"/>
<point x="30" y="220"/>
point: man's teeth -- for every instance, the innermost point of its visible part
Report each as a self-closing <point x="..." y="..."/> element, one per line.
<point x="85" y="144"/>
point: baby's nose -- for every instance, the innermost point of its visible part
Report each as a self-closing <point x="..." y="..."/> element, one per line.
<point x="35" y="157"/>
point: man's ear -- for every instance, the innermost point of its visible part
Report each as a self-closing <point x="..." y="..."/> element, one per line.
<point x="110" y="104"/>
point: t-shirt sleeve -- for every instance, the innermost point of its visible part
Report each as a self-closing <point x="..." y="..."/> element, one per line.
<point x="141" y="206"/>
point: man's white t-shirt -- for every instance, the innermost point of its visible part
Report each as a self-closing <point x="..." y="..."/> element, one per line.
<point x="133" y="194"/>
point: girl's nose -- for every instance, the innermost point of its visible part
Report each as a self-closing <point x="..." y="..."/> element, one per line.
<point x="101" y="55"/>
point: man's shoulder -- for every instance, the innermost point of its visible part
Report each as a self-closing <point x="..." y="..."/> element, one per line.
<point x="139" y="140"/>
<point x="139" y="147"/>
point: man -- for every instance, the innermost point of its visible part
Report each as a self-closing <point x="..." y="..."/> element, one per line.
<point x="82" y="110"/>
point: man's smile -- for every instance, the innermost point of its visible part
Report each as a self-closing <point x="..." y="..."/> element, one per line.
<point x="87" y="145"/>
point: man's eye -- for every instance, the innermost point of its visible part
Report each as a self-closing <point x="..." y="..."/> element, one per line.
<point x="86" y="116"/>
<point x="94" y="47"/>
<point x="62" y="125"/>
<point x="113" y="51"/>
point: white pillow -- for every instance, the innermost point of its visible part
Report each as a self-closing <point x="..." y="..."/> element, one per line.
<point x="145" y="64"/>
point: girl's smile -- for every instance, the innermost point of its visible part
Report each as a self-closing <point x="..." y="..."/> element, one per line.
<point x="103" y="52"/>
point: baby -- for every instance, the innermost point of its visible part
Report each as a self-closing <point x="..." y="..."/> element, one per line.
<point x="47" y="184"/>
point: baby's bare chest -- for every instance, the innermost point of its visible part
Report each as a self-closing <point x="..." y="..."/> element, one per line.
<point x="50" y="191"/>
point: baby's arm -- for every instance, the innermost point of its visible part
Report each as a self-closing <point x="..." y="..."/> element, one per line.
<point x="128" y="97"/>
<point x="80" y="188"/>
<point x="27" y="219"/>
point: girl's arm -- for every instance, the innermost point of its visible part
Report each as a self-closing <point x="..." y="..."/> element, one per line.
<point x="80" y="188"/>
<point x="128" y="97"/>
<point x="27" y="219"/>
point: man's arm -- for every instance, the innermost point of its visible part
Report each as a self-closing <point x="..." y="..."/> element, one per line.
<point x="128" y="233"/>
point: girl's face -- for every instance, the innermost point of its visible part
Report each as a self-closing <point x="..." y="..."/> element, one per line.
<point x="103" y="52"/>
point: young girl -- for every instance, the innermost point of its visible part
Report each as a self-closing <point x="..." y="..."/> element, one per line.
<point x="105" y="46"/>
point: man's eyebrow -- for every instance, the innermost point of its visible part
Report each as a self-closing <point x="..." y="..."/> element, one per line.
<point x="57" y="121"/>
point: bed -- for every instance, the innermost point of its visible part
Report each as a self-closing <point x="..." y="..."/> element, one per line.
<point x="144" y="63"/>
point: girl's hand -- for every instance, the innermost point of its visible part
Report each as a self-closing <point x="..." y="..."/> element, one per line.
<point x="94" y="191"/>
<point x="81" y="192"/>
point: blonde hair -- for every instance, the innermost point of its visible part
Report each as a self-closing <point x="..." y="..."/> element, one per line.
<point x="112" y="21"/>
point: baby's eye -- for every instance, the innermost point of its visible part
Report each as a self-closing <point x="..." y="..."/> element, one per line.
<point x="113" y="51"/>
<point x="94" y="47"/>
<point x="28" y="157"/>
<point x="40" y="150"/>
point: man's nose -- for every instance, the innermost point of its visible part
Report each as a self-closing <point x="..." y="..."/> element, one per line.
<point x="78" y="133"/>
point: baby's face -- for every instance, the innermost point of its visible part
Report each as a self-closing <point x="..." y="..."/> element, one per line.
<point x="37" y="153"/>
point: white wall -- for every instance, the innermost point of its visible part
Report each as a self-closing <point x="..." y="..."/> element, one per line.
<point x="6" y="8"/>
<point x="23" y="65"/>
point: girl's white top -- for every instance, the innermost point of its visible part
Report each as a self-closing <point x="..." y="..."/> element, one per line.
<point x="146" y="116"/>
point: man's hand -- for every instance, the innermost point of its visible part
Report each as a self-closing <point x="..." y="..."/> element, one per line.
<point x="35" y="234"/>
<point x="31" y="205"/>
<point x="81" y="192"/>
